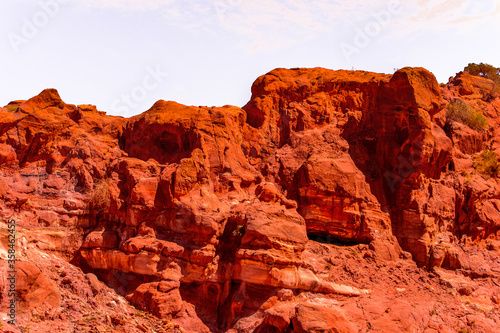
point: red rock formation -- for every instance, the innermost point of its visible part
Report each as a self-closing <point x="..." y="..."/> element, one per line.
<point x="212" y="218"/>
<point x="351" y="145"/>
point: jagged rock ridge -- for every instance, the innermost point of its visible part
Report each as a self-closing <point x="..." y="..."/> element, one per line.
<point x="247" y="219"/>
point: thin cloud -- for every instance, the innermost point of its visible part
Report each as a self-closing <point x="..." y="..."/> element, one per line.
<point x="445" y="14"/>
<point x="277" y="24"/>
<point x="132" y="5"/>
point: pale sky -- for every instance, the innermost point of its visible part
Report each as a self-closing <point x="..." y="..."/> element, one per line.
<point x="123" y="55"/>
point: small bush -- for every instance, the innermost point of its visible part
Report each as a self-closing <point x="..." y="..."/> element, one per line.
<point x="489" y="72"/>
<point x="487" y="164"/>
<point x="12" y="108"/>
<point x="459" y="111"/>
<point x="484" y="70"/>
<point x="99" y="200"/>
<point x="239" y="231"/>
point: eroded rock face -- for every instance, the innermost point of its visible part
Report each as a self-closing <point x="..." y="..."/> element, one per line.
<point x="352" y="146"/>
<point x="35" y="289"/>
<point x="205" y="216"/>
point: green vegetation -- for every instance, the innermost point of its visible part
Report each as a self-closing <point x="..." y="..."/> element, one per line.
<point x="487" y="164"/>
<point x="239" y="231"/>
<point x="489" y="72"/>
<point x="12" y="108"/>
<point x="459" y="111"/>
<point x="484" y="70"/>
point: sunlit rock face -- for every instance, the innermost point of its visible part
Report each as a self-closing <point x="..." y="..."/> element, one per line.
<point x="246" y="219"/>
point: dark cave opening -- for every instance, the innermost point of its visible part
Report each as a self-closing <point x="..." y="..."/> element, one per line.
<point x="332" y="240"/>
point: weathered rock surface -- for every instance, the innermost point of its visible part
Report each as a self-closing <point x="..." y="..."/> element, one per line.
<point x="308" y="210"/>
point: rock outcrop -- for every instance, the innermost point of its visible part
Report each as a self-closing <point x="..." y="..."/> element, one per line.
<point x="275" y="217"/>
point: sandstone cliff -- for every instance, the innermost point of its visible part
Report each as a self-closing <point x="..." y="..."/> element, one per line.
<point x="334" y="201"/>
